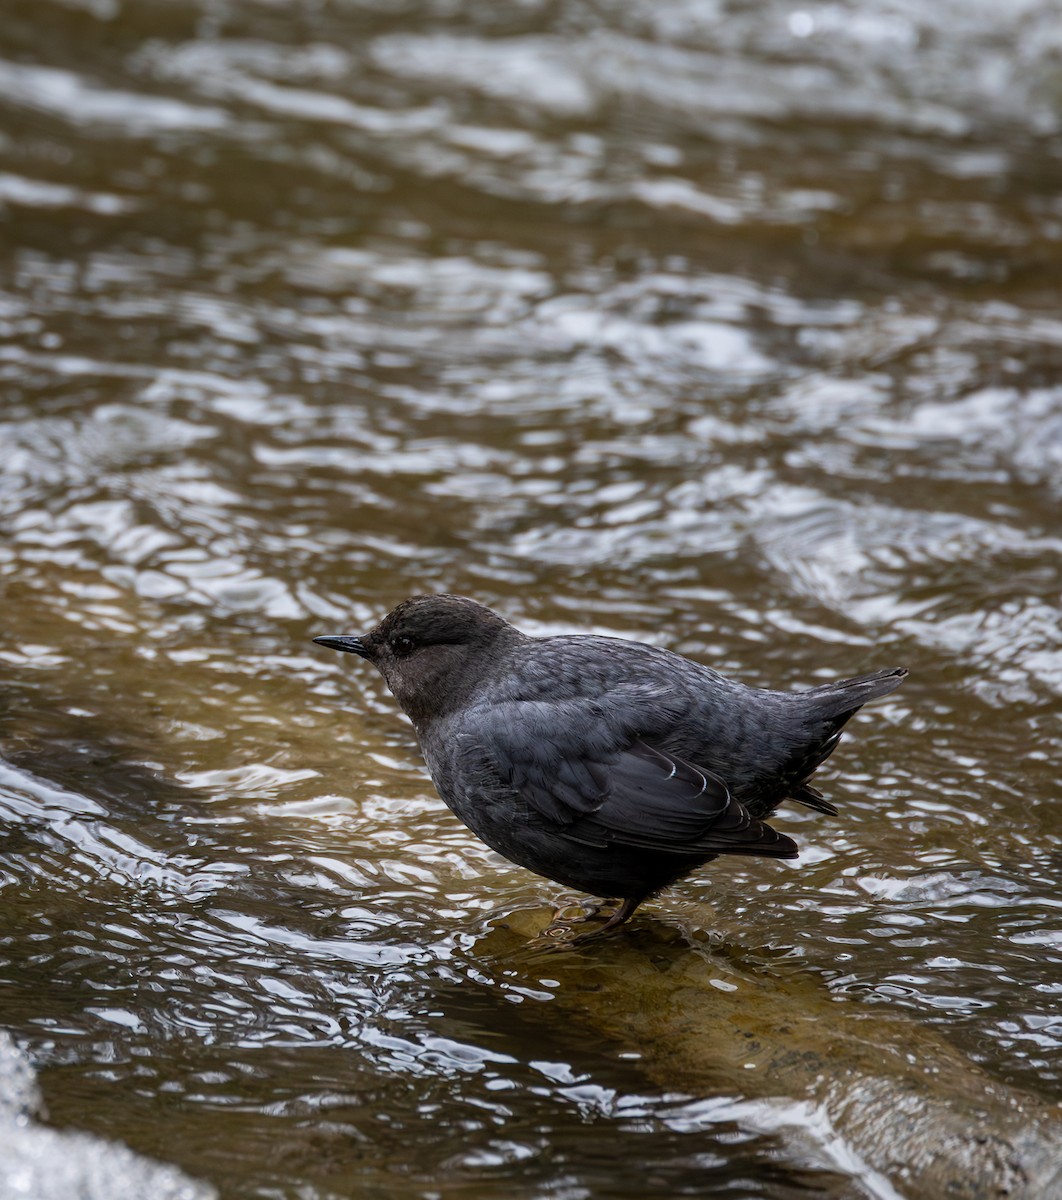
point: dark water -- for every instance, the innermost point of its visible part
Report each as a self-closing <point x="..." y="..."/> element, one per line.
<point x="733" y="326"/>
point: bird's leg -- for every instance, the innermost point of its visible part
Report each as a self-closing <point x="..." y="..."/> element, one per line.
<point x="623" y="913"/>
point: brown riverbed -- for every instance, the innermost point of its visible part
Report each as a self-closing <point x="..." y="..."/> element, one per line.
<point x="731" y="326"/>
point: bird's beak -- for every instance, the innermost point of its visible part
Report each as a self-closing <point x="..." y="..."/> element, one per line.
<point x="350" y="645"/>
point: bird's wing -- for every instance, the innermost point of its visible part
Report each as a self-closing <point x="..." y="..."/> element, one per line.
<point x="659" y="802"/>
<point x="601" y="785"/>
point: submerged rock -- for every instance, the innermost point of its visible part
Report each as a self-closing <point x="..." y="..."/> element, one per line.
<point x="891" y="1103"/>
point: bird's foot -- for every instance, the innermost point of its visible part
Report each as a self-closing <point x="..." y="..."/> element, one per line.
<point x="578" y="910"/>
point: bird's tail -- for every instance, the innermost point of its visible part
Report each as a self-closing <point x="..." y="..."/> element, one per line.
<point x="829" y="707"/>
<point x="843" y="698"/>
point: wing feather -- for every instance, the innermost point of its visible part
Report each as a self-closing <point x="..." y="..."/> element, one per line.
<point x="603" y="787"/>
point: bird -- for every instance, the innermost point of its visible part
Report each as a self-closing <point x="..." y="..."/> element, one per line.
<point x="611" y="766"/>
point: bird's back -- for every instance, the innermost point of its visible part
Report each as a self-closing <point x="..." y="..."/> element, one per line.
<point x="763" y="744"/>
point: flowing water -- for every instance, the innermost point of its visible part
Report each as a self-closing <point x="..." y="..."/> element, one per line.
<point x="732" y="325"/>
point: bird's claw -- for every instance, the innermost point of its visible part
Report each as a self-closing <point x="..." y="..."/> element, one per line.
<point x="582" y="911"/>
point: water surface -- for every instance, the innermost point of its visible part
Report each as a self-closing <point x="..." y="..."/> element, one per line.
<point x="731" y="326"/>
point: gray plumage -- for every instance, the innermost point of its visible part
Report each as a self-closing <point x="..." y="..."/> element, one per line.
<point x="611" y="766"/>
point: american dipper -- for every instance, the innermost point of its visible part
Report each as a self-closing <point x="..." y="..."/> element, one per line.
<point x="611" y="766"/>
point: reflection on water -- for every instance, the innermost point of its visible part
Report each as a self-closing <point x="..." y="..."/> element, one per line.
<point x="731" y="326"/>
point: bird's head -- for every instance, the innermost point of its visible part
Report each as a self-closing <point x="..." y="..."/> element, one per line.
<point x="431" y="650"/>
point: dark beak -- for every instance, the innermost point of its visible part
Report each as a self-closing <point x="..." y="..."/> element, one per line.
<point x="350" y="645"/>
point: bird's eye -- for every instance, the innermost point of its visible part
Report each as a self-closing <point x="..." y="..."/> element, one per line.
<point x="401" y="645"/>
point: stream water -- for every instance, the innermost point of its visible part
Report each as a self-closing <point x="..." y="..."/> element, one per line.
<point x="731" y="325"/>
